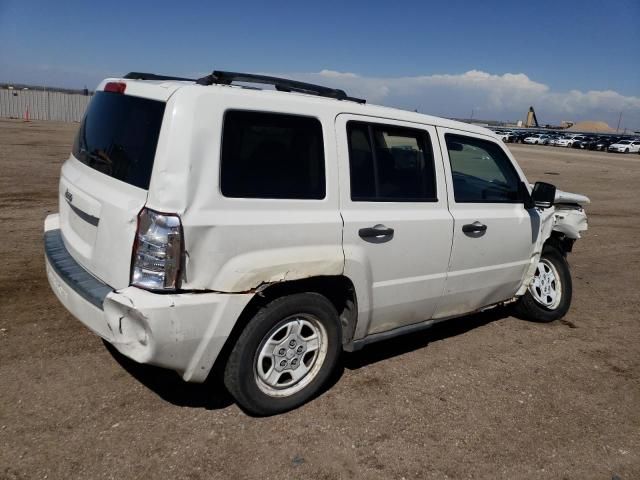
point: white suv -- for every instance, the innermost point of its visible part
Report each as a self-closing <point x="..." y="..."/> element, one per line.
<point x="265" y="231"/>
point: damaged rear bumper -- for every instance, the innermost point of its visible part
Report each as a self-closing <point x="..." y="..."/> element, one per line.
<point x="183" y="332"/>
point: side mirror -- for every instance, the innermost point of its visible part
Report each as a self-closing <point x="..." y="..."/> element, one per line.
<point x="543" y="195"/>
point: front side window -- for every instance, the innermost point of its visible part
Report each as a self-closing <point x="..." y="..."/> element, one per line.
<point x="482" y="172"/>
<point x="271" y="155"/>
<point x="390" y="164"/>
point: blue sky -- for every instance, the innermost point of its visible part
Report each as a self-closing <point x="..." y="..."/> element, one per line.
<point x="571" y="60"/>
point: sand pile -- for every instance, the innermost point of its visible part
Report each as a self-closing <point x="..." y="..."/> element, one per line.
<point x="600" y="127"/>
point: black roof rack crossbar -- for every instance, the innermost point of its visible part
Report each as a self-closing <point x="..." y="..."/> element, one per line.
<point x="153" y="76"/>
<point x="281" y="84"/>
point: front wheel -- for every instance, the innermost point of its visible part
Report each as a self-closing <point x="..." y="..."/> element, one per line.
<point x="285" y="354"/>
<point x="548" y="297"/>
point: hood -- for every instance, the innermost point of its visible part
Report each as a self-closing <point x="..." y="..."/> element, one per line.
<point x="575" y="198"/>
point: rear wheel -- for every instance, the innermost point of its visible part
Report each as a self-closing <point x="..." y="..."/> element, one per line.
<point x="548" y="297"/>
<point x="285" y="354"/>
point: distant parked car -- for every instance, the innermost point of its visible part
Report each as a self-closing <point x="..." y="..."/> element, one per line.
<point x="553" y="139"/>
<point x="518" y="137"/>
<point x="604" y="142"/>
<point x="569" y="140"/>
<point x="625" y="146"/>
<point x="505" y="136"/>
<point x="587" y="143"/>
<point x="537" y="139"/>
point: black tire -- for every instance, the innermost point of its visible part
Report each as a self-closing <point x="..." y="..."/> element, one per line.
<point x="240" y="375"/>
<point x="528" y="308"/>
<point x="626" y="150"/>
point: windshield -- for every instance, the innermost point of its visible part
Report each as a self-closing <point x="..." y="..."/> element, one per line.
<point x="118" y="136"/>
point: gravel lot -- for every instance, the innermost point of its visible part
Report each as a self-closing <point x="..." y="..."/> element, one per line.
<point x="485" y="396"/>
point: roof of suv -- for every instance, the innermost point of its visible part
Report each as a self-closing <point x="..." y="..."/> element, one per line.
<point x="162" y="89"/>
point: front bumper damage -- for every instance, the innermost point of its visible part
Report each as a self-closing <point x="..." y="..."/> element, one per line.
<point x="567" y="218"/>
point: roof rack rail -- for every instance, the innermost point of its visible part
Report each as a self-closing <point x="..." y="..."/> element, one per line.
<point x="281" y="84"/>
<point x="153" y="76"/>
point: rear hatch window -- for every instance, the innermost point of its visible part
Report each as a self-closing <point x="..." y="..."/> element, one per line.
<point x="118" y="136"/>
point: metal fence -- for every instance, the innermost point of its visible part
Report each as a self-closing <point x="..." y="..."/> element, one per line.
<point x="43" y="105"/>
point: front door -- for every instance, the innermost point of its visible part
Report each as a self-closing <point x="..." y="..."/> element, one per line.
<point x="493" y="235"/>
<point x="397" y="228"/>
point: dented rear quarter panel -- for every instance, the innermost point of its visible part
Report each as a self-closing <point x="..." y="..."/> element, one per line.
<point x="239" y="244"/>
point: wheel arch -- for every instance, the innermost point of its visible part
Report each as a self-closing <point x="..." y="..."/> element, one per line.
<point x="338" y="289"/>
<point x="560" y="242"/>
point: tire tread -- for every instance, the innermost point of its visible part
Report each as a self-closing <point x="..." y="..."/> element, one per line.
<point x="238" y="372"/>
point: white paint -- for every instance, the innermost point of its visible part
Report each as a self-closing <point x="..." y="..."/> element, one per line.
<point x="429" y="270"/>
<point x="105" y="249"/>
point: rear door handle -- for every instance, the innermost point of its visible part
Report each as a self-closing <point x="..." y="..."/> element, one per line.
<point x="475" y="227"/>
<point x="376" y="231"/>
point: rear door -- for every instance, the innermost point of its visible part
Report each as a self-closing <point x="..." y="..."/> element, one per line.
<point x="104" y="182"/>
<point x="397" y="229"/>
<point x="493" y="234"/>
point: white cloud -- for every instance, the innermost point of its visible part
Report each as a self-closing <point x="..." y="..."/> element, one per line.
<point x="334" y="74"/>
<point x="491" y="96"/>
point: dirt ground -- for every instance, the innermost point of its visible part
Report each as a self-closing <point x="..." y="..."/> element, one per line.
<point x="485" y="396"/>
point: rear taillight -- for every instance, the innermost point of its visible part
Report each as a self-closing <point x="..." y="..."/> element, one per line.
<point x="157" y="252"/>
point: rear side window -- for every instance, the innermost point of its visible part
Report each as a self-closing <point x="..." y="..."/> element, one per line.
<point x="119" y="135"/>
<point x="482" y="172"/>
<point x="272" y="155"/>
<point x="390" y="164"/>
